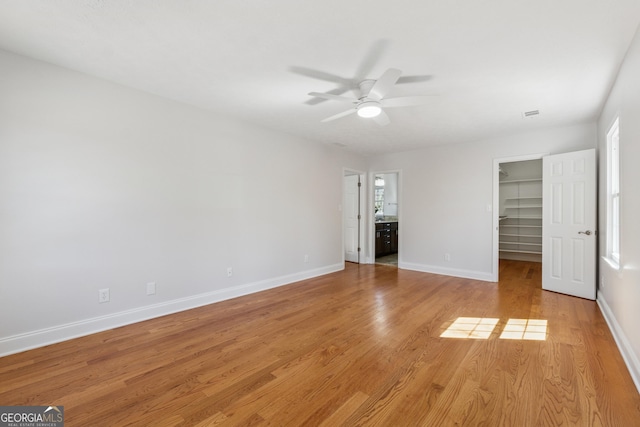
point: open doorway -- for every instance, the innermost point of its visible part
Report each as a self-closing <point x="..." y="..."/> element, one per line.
<point x="517" y="210"/>
<point x="387" y="227"/>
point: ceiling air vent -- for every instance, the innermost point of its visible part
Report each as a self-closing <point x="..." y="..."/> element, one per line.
<point x="529" y="114"/>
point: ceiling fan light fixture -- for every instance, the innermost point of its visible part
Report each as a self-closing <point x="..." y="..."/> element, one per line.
<point x="369" y="109"/>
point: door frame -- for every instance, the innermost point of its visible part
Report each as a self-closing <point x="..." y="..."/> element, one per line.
<point x="362" y="211"/>
<point x="496" y="204"/>
<point x="371" y="244"/>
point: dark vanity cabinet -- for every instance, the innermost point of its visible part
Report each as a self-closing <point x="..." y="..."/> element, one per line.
<point x="386" y="238"/>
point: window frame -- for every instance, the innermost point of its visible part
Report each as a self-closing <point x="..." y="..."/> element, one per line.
<point x="378" y="196"/>
<point x="613" y="194"/>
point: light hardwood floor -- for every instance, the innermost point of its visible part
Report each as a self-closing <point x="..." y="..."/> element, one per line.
<point x="358" y="347"/>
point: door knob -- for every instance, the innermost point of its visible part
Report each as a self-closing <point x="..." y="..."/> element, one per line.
<point x="588" y="232"/>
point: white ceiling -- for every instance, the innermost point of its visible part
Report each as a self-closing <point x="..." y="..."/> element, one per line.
<point x="488" y="60"/>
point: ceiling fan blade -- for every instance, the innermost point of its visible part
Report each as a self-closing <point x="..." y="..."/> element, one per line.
<point x="413" y="79"/>
<point x="406" y="101"/>
<point x="384" y="84"/>
<point x="334" y="97"/>
<point x="339" y="115"/>
<point x="320" y="75"/>
<point x="371" y="58"/>
<point x="382" y="119"/>
<point x="336" y="91"/>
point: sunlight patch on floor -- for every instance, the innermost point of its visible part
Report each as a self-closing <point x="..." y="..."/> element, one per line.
<point x="471" y="327"/>
<point x="525" y="329"/>
<point x="482" y="328"/>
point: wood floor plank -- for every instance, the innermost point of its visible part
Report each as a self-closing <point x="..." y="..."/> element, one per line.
<point x="358" y="347"/>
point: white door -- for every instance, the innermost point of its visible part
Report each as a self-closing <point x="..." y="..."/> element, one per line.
<point x="569" y="223"/>
<point x="351" y="215"/>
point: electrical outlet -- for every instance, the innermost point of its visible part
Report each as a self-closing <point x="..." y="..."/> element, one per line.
<point x="103" y="295"/>
<point x="601" y="282"/>
<point x="151" y="288"/>
<point x="229" y="271"/>
<point x="447" y="257"/>
<point x="306" y="258"/>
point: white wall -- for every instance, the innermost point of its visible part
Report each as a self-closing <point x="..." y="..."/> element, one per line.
<point x="102" y="186"/>
<point x="619" y="295"/>
<point x="446" y="190"/>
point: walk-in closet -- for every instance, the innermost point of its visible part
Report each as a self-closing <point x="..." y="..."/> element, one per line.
<point x="520" y="236"/>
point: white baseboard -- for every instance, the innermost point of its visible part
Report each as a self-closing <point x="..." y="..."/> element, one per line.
<point x="39" y="338"/>
<point x="630" y="358"/>
<point x="467" y="274"/>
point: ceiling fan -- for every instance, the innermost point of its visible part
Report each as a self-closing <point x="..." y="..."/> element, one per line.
<point x="372" y="99"/>
<point x="345" y="84"/>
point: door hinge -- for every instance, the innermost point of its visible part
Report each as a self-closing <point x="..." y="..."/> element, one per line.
<point x="359" y="216"/>
<point x="359" y="184"/>
<point x="358" y="249"/>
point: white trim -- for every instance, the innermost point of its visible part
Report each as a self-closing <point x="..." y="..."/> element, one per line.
<point x="454" y="272"/>
<point x="630" y="358"/>
<point x="33" y="339"/>
<point x="615" y="265"/>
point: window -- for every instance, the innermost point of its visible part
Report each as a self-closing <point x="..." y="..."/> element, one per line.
<point x="613" y="194"/>
<point x="378" y="201"/>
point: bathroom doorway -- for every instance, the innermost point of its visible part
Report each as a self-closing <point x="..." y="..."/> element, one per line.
<point x="386" y="220"/>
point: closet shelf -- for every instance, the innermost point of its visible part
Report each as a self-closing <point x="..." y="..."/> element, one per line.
<point x="537" y="205"/>
<point x="514" y="181"/>
<point x="520" y="235"/>
<point x="520" y="226"/>
<point x="523" y="198"/>
<point x="520" y="243"/>
<point x="521" y="252"/>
